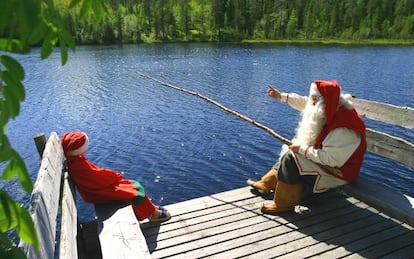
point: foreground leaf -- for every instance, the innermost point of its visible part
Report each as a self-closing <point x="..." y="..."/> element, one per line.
<point x="14" y="46"/>
<point x="13" y="215"/>
<point x="14" y="66"/>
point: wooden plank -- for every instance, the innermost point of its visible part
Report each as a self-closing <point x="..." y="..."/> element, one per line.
<point x="396" y="115"/>
<point x="277" y="244"/>
<point x="341" y="235"/>
<point x="390" y="202"/>
<point x="236" y="228"/>
<point x="68" y="232"/>
<point x="192" y="234"/>
<point x="403" y="242"/>
<point x="44" y="201"/>
<point x="358" y="247"/>
<point x="389" y="146"/>
<point x="119" y="232"/>
<point x="400" y="239"/>
<point x="216" y="228"/>
<point x="211" y="200"/>
<point x="197" y="221"/>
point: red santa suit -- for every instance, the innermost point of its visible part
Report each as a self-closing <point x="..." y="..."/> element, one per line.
<point x="341" y="144"/>
<point x="101" y="185"/>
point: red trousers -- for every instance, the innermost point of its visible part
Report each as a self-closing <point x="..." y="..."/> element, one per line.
<point x="144" y="208"/>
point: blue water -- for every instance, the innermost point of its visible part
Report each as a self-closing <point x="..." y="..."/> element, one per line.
<point x="179" y="146"/>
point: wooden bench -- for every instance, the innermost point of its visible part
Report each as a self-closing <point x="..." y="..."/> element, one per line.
<point x="120" y="234"/>
<point x="392" y="203"/>
<point x="115" y="233"/>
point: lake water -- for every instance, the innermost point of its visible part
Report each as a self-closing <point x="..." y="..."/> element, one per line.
<point x="179" y="146"/>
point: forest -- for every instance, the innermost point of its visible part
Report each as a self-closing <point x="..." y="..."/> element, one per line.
<point x="136" y="21"/>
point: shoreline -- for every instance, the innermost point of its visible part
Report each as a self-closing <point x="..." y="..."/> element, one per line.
<point x="321" y="42"/>
<point x="374" y="42"/>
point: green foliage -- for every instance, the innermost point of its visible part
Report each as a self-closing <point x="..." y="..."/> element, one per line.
<point x="135" y="21"/>
<point x="24" y="24"/>
<point x="12" y="215"/>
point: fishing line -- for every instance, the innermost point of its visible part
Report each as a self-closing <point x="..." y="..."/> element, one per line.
<point x="238" y="115"/>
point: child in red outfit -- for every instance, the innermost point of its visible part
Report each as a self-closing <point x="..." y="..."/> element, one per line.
<point x="102" y="185"/>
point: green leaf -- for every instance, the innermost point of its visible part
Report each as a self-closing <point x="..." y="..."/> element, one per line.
<point x="13" y="65"/>
<point x="63" y="52"/>
<point x="66" y="37"/>
<point x="73" y="3"/>
<point x="8" y="172"/>
<point x="25" y="228"/>
<point x="85" y="8"/>
<point x="38" y="33"/>
<point x="6" y="8"/>
<point x="4" y="118"/>
<point x="5" y="149"/>
<point x="16" y="166"/>
<point x="13" y="215"/>
<point x="14" y="46"/>
<point x="98" y="9"/>
<point x="13" y="85"/>
<point x="12" y="105"/>
<point x="22" y="172"/>
<point x="28" y="16"/>
<point x="48" y="44"/>
<point x="8" y="219"/>
<point x="16" y="253"/>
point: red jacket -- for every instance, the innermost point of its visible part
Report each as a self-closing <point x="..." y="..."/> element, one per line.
<point x="349" y="119"/>
<point x="101" y="185"/>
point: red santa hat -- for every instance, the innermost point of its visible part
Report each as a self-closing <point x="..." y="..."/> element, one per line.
<point x="330" y="92"/>
<point x="75" y="143"/>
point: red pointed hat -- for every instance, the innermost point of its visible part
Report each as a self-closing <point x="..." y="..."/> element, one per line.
<point x="74" y="143"/>
<point x="330" y="92"/>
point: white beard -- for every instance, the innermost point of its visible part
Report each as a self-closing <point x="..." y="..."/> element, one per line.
<point x="309" y="127"/>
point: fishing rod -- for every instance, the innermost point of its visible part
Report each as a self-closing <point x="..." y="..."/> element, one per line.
<point x="241" y="116"/>
<point x="329" y="169"/>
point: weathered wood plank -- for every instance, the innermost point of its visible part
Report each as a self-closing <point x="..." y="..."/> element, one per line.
<point x="210" y="201"/>
<point x="197" y="221"/>
<point x="44" y="201"/>
<point x="384" y="199"/>
<point x="119" y="232"/>
<point x="398" y="238"/>
<point x="358" y="248"/>
<point x="389" y="146"/>
<point x="68" y="232"/>
<point x="330" y="239"/>
<point x="299" y="234"/>
<point x="236" y="228"/>
<point x="396" y="115"/>
<point x="403" y="242"/>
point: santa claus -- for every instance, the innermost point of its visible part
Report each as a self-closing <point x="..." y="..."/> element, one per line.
<point x="326" y="152"/>
<point x="102" y="185"/>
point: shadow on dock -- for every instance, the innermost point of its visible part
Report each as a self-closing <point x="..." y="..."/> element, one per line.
<point x="230" y="224"/>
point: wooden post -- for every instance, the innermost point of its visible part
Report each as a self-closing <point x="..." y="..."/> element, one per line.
<point x="40" y="141"/>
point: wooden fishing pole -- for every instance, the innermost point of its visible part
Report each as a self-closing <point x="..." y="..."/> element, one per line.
<point x="331" y="170"/>
<point x="241" y="116"/>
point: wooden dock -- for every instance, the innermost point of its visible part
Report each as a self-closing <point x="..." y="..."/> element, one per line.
<point x="359" y="220"/>
<point x="230" y="225"/>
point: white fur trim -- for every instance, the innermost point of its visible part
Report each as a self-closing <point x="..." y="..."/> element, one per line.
<point x="314" y="90"/>
<point x="345" y="100"/>
<point x="81" y="149"/>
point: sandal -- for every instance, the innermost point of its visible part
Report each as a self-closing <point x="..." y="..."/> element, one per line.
<point x="162" y="217"/>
